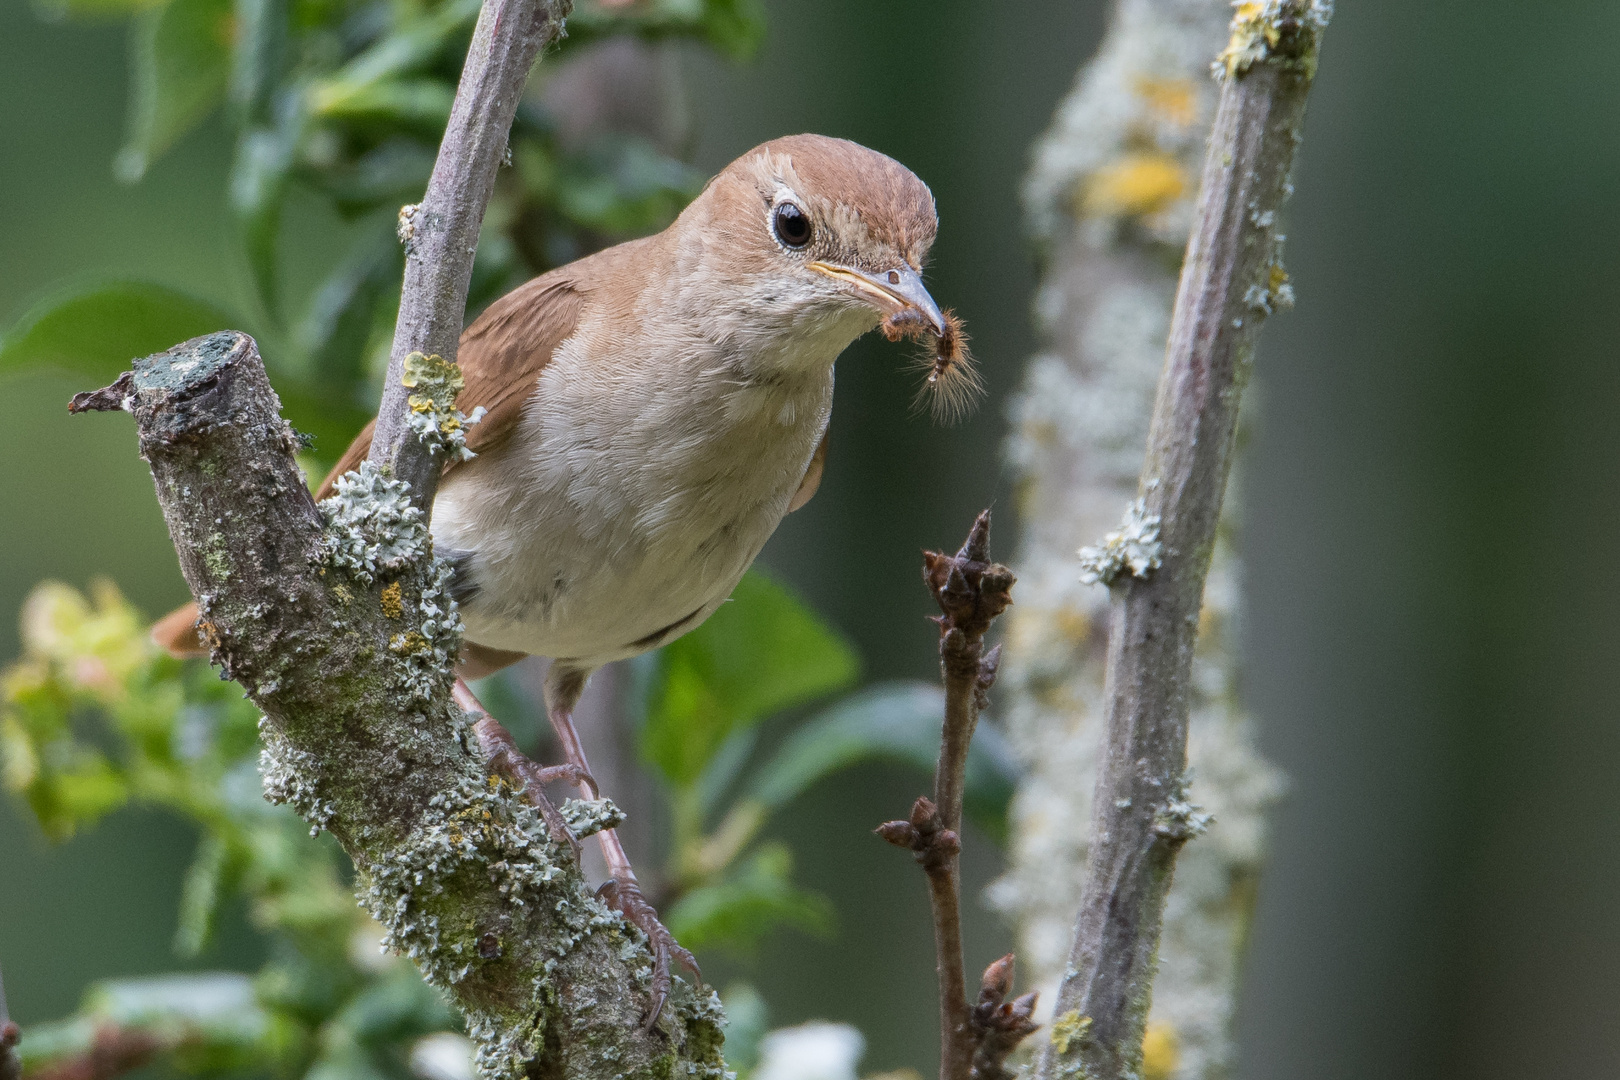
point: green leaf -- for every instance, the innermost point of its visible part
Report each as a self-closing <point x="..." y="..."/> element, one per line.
<point x="262" y="31"/>
<point x="420" y="106"/>
<point x="205" y="884"/>
<point x="96" y="331"/>
<point x="179" y="66"/>
<point x="332" y="420"/>
<point x="897" y="721"/>
<point x="737" y="912"/>
<point x="747" y="1020"/>
<point x="759" y="654"/>
<point x="734" y="27"/>
<point x="390" y="174"/>
<point x="412" y="46"/>
<point x="213" y="1019"/>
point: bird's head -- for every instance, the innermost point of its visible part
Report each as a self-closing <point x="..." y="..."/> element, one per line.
<point x="811" y="238"/>
<point x="820" y="227"/>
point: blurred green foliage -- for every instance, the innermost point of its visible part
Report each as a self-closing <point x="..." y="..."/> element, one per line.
<point x="94" y="716"/>
<point x="347" y="99"/>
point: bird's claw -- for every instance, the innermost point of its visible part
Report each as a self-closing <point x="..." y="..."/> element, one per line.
<point x="502" y="752"/>
<point x="625" y="897"/>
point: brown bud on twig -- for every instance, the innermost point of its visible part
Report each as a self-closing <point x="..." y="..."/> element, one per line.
<point x="923" y="834"/>
<point x="899" y="833"/>
<point x="997" y="981"/>
<point x="999" y="1025"/>
<point x="923" y="813"/>
<point x="969" y="588"/>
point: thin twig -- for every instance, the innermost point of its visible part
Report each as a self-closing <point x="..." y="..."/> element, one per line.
<point x="971" y="591"/>
<point x="1230" y="281"/>
<point x="441" y="234"/>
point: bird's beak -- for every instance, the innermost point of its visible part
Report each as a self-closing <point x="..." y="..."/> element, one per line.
<point x="893" y="291"/>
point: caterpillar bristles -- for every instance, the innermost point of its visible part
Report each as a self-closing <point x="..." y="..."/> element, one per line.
<point x="952" y="387"/>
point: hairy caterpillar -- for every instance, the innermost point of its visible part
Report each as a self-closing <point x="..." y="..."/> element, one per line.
<point x="953" y="386"/>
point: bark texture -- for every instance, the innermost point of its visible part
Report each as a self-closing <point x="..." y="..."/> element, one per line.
<point x="335" y="620"/>
<point x="1112" y="199"/>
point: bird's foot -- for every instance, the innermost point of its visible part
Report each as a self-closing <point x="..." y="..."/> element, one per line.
<point x="502" y="753"/>
<point x="624" y="896"/>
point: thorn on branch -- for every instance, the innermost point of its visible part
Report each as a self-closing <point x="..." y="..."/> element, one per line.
<point x="115" y="398"/>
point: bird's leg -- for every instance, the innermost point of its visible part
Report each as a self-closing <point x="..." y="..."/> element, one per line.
<point x="502" y="752"/>
<point x="563" y="687"/>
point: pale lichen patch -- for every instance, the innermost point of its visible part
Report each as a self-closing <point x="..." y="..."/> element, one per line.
<point x="372" y="528"/>
<point x="434" y="383"/>
<point x="1134" y="546"/>
<point x="586" y="817"/>
<point x="292" y="776"/>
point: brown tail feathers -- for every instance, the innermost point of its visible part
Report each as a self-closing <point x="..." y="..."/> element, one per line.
<point x="177" y="633"/>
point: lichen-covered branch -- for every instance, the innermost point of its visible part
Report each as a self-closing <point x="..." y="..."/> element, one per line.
<point x="1230" y="280"/>
<point x="441" y="233"/>
<point x="335" y="621"/>
<point x="1112" y="195"/>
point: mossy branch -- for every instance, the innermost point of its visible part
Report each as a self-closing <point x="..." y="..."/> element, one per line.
<point x="1230" y="279"/>
<point x="335" y="620"/>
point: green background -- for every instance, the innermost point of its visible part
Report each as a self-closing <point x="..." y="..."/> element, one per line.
<point x="1431" y="502"/>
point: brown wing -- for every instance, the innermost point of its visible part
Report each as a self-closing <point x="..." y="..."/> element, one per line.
<point x="501" y="355"/>
<point x="812" y="474"/>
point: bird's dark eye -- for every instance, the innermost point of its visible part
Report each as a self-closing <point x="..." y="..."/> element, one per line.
<point x="792" y="225"/>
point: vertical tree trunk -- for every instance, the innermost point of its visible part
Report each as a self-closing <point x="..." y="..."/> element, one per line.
<point x="1111" y="195"/>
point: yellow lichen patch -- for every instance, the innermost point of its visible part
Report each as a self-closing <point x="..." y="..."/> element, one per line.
<point x="1175" y="100"/>
<point x="392" y="606"/>
<point x="412" y="642"/>
<point x="1135" y="185"/>
<point x="1069" y="1028"/>
<point x="1277" y="277"/>
<point x="1073" y="625"/>
<point x="436" y="380"/>
<point x="1161" y="1052"/>
<point x="1252" y="34"/>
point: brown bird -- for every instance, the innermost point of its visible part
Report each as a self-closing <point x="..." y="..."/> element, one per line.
<point x="653" y="411"/>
